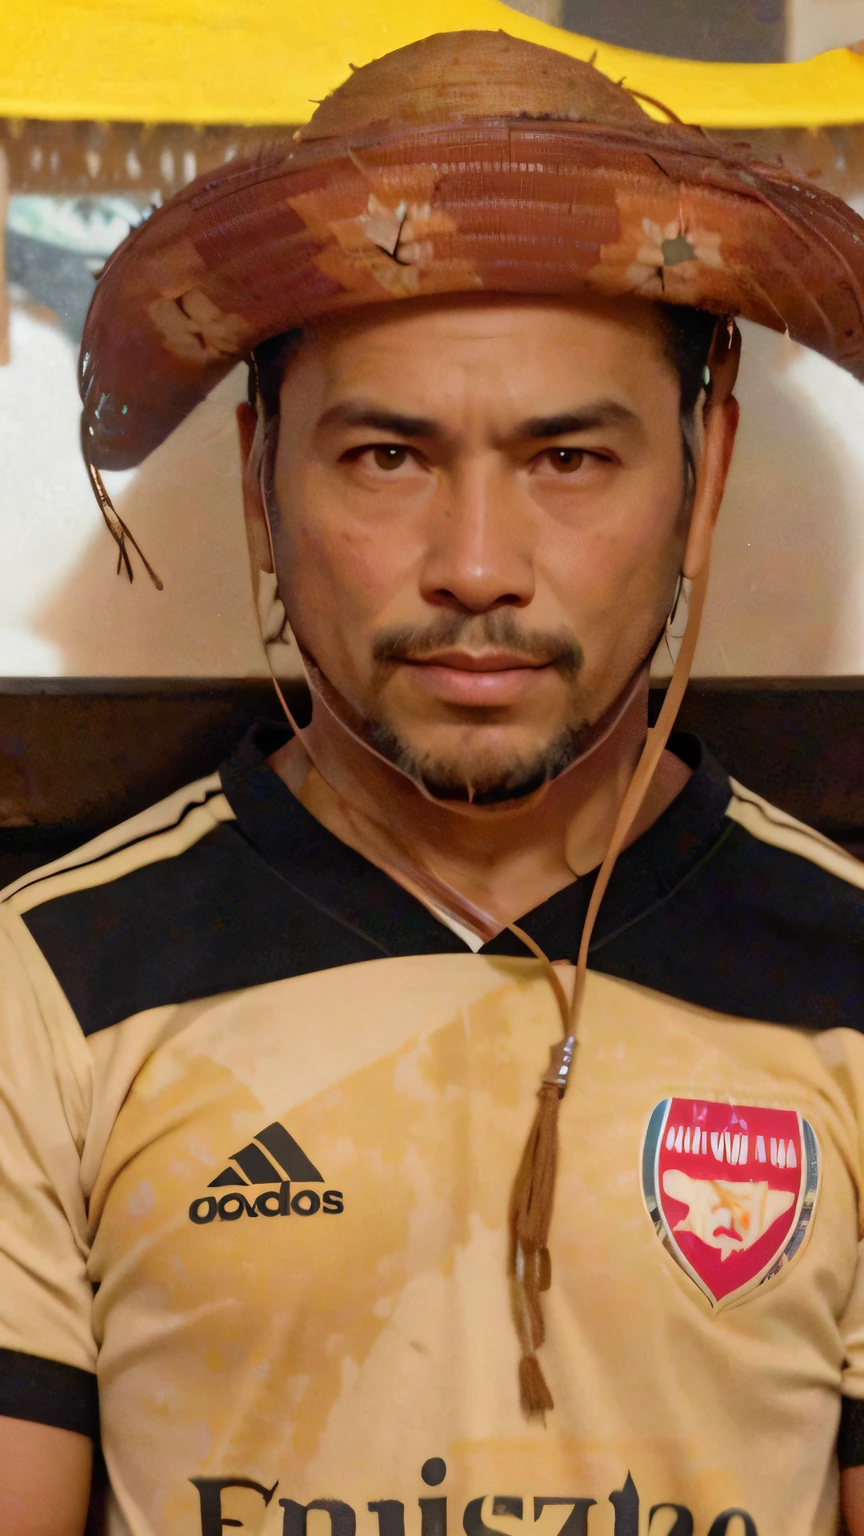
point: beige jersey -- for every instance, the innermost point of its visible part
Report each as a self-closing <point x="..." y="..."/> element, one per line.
<point x="260" y="1112"/>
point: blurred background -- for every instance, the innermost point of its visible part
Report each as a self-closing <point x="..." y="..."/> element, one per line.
<point x="140" y="689"/>
<point x="741" y="31"/>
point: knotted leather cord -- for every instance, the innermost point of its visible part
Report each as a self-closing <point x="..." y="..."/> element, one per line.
<point x="120" y="532"/>
<point x="533" y="1194"/>
<point x="534" y="1188"/>
<point x="532" y="1197"/>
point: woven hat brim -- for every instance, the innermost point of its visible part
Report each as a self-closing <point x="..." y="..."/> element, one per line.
<point x="496" y="205"/>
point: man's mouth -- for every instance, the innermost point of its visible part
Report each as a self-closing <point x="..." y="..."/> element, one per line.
<point x="490" y="678"/>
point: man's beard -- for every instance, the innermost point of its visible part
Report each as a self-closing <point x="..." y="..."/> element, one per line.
<point x="498" y="782"/>
<point x="451" y="781"/>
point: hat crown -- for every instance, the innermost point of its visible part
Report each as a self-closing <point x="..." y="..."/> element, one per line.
<point x="455" y="75"/>
<point x="468" y="162"/>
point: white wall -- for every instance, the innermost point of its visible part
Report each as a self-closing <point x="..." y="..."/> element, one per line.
<point x="64" y="610"/>
<point x="814" y="26"/>
<point x="542" y="10"/>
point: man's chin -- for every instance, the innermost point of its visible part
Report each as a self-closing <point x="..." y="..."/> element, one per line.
<point x="477" y="778"/>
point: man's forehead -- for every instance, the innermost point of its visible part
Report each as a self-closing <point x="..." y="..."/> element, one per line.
<point x="430" y="347"/>
<point x="487" y="316"/>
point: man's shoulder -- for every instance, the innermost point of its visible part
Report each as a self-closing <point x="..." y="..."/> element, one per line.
<point x="805" y="859"/>
<point x="169" y="905"/>
<point x="766" y="923"/>
<point x="153" y="839"/>
<point x="90" y="909"/>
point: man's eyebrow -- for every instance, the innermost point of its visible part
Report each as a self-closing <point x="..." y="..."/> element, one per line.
<point x="600" y="413"/>
<point x="356" y="413"/>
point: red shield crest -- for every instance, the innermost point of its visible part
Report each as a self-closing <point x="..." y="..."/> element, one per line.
<point x="730" y="1189"/>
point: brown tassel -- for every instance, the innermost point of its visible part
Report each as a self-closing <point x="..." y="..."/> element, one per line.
<point x="534" y="1186"/>
<point x="534" y="1395"/>
<point x="530" y="1219"/>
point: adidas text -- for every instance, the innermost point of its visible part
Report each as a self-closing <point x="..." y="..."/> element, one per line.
<point x="281" y="1202"/>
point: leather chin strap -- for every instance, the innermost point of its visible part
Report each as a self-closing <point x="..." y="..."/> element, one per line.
<point x="532" y="1197"/>
<point x="533" y="1191"/>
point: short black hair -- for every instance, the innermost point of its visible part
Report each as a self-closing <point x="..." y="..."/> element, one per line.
<point x="687" y="335"/>
<point x="267" y="364"/>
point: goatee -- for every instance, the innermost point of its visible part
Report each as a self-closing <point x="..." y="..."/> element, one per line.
<point x="494" y="786"/>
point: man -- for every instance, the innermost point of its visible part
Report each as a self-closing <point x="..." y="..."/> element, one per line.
<point x="272" y="1048"/>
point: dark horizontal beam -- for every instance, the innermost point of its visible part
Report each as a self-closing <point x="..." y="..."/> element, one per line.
<point x="78" y="754"/>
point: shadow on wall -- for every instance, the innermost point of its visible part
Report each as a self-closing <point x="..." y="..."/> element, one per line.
<point x="789" y="549"/>
<point x="184" y="507"/>
<point x="788" y="566"/>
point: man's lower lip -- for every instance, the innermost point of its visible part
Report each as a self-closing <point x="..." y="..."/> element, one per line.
<point x="454" y="685"/>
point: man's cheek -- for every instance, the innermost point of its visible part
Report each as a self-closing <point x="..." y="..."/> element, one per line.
<point x="349" y="566"/>
<point x="336" y="600"/>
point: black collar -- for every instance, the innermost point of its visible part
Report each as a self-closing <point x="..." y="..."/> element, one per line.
<point x="336" y="878"/>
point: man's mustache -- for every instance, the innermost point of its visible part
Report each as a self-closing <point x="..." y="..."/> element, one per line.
<point x="476" y="633"/>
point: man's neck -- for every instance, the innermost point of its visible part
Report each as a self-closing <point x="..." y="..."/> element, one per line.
<point x="505" y="861"/>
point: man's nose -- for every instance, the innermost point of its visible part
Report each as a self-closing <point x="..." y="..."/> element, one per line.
<point x="479" y="552"/>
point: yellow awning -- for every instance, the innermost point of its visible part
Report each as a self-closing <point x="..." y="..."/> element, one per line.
<point x="266" y="61"/>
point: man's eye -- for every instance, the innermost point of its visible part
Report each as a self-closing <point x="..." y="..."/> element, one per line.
<point x="565" y="461"/>
<point x="389" y="456"/>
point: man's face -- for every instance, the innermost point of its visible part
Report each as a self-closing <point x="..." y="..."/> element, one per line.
<point x="480" y="521"/>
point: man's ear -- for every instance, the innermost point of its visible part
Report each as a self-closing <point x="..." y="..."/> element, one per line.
<point x="720" y="417"/>
<point x="257" y="535"/>
<point x="247" y="423"/>
<point x="731" y="417"/>
<point x="265" y="590"/>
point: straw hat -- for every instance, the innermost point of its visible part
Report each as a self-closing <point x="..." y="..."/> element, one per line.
<point x="470" y="162"/>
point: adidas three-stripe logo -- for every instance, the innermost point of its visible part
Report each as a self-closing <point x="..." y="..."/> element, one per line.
<point x="288" y="1157"/>
<point x="271" y="1157"/>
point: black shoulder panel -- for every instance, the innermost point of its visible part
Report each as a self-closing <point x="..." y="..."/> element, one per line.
<point x="749" y="930"/>
<point x="213" y="919"/>
<point x="761" y="934"/>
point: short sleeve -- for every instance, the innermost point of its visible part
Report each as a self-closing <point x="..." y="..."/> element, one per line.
<point x="47" y="1350"/>
<point x="850" y="1440"/>
<point x="850" y="1437"/>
